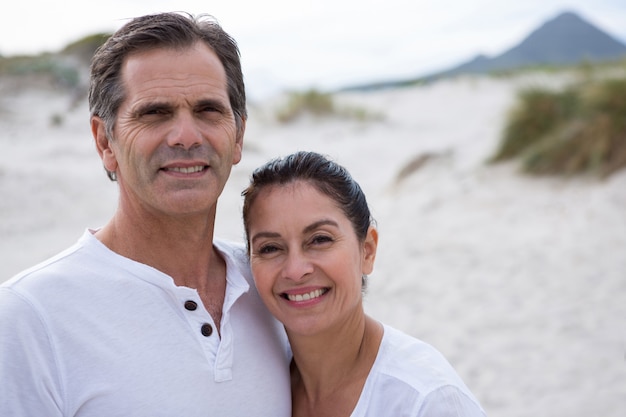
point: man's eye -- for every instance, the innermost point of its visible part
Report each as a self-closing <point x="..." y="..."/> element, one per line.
<point x="211" y="108"/>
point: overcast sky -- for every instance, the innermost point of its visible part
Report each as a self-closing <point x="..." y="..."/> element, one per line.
<point x="319" y="43"/>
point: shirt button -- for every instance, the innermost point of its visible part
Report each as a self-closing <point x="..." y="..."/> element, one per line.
<point x="206" y="329"/>
<point x="191" y="305"/>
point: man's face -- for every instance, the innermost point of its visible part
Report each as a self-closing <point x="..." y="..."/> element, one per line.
<point x="175" y="138"/>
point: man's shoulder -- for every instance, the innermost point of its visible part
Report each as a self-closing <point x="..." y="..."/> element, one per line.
<point x="234" y="251"/>
<point x="46" y="267"/>
<point x="230" y="246"/>
<point x="235" y="255"/>
<point x="82" y="259"/>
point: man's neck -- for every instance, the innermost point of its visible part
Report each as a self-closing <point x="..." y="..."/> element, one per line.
<point x="181" y="248"/>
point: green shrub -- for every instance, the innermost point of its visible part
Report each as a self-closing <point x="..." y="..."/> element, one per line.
<point x="319" y="104"/>
<point x="53" y="66"/>
<point x="56" y="120"/>
<point x="41" y="65"/>
<point x="84" y="48"/>
<point x="568" y="152"/>
<point x="579" y="130"/>
<point x="538" y="113"/>
<point x="300" y="103"/>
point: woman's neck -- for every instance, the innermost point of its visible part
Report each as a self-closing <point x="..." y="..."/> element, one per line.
<point x="330" y="369"/>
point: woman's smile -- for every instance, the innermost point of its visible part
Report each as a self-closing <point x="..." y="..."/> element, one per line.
<point x="300" y="297"/>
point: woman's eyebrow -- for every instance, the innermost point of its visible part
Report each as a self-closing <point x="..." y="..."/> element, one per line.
<point x="323" y="222"/>
<point x="264" y="235"/>
<point x="308" y="229"/>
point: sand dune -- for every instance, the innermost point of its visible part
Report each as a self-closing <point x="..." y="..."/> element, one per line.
<point x="520" y="281"/>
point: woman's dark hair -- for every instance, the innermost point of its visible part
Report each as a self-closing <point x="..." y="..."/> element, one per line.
<point x="327" y="176"/>
<point x="164" y="30"/>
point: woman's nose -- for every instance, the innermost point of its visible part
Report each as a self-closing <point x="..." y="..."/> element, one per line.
<point x="297" y="267"/>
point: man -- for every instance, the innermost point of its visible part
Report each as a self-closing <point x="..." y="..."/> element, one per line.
<point x="149" y="316"/>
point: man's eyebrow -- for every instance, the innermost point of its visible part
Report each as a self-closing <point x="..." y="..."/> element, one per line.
<point x="151" y="106"/>
<point x="210" y="102"/>
<point x="214" y="103"/>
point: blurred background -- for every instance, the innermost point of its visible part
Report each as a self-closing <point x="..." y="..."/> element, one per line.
<point x="324" y="43"/>
<point x="489" y="137"/>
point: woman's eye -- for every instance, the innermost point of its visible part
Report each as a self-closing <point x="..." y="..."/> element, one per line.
<point x="321" y="239"/>
<point x="267" y="249"/>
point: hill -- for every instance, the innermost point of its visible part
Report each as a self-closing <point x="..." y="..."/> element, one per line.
<point x="566" y="39"/>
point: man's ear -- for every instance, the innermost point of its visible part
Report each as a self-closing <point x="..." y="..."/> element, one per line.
<point x="103" y="144"/>
<point x="369" y="250"/>
<point x="239" y="142"/>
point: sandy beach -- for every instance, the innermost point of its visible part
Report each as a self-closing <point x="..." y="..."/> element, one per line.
<point x="520" y="281"/>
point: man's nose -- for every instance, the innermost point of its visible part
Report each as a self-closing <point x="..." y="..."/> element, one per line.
<point x="185" y="131"/>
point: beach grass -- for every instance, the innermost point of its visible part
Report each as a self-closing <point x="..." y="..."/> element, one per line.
<point x="318" y="104"/>
<point x="580" y="129"/>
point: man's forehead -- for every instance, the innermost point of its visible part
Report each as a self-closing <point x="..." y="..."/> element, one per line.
<point x="197" y="60"/>
<point x="193" y="74"/>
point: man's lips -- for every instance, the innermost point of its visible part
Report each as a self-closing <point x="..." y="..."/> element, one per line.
<point x="185" y="167"/>
<point x="307" y="296"/>
<point x="186" y="170"/>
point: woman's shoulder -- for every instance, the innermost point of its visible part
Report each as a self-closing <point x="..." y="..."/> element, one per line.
<point x="411" y="377"/>
<point x="415" y="362"/>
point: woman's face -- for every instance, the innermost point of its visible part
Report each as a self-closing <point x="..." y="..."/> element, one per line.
<point x="306" y="259"/>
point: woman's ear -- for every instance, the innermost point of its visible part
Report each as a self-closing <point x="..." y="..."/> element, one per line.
<point x="369" y="250"/>
<point x="103" y="144"/>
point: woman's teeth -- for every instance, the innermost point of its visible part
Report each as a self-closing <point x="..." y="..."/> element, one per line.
<point x="306" y="296"/>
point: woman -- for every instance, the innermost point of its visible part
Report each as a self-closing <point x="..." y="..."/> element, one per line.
<point x="311" y="243"/>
